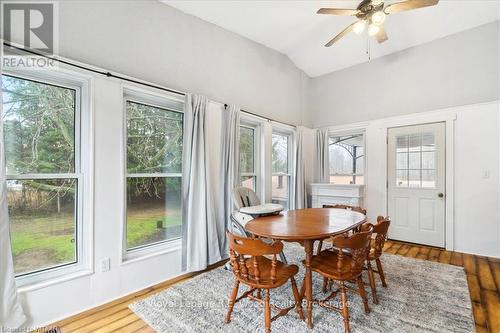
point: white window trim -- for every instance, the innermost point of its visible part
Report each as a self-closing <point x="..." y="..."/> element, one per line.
<point x="154" y="98"/>
<point x="84" y="172"/>
<point x="288" y="131"/>
<point x="347" y="133"/>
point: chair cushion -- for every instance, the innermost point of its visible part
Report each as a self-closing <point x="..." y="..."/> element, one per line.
<point x="262" y="209"/>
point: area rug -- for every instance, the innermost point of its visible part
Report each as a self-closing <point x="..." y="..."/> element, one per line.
<point x="421" y="296"/>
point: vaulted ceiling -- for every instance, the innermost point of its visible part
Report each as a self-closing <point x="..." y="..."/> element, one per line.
<point x="294" y="28"/>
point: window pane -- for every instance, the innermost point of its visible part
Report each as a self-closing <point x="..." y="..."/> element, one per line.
<point x="153" y="210"/>
<point x="39" y="125"/>
<point x="346" y="159"/>
<point x="154" y="139"/>
<point x="248" y="182"/>
<point x="42" y="223"/>
<point x="247" y="149"/>
<point x="280" y="153"/>
<point x="280" y="190"/>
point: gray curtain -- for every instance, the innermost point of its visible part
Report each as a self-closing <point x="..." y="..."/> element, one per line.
<point x="322" y="156"/>
<point x="300" y="173"/>
<point x="11" y="312"/>
<point x="202" y="240"/>
<point x="230" y="171"/>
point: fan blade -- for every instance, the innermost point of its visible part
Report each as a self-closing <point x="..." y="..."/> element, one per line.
<point x="338" y="11"/>
<point x="382" y="35"/>
<point x="340" y="35"/>
<point x="409" y="5"/>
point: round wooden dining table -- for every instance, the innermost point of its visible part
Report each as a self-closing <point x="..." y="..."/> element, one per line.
<point x="306" y="226"/>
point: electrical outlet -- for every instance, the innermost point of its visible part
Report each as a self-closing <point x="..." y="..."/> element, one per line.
<point x="105" y="264"/>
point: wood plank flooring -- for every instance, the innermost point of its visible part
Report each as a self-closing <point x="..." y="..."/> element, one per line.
<point x="483" y="277"/>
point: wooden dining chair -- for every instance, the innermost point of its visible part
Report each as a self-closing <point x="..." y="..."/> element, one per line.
<point x="259" y="273"/>
<point x="338" y="206"/>
<point x="380" y="231"/>
<point x="345" y="264"/>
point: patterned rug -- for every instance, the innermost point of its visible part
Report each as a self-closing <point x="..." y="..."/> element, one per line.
<point x="421" y="296"/>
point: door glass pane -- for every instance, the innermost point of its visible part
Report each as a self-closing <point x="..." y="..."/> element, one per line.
<point x="428" y="142"/>
<point x="428" y="178"/>
<point x="414" y="178"/>
<point x="247" y="149"/>
<point x="402" y="178"/>
<point x="402" y="144"/>
<point x="418" y="162"/>
<point x="414" y="160"/>
<point x="39" y="127"/>
<point x="428" y="160"/>
<point x="401" y="160"/>
<point x="42" y="223"/>
<point x="154" y="139"/>
<point x="153" y="210"/>
<point x="414" y="142"/>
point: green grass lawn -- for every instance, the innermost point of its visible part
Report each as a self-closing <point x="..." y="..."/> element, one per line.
<point x="43" y="241"/>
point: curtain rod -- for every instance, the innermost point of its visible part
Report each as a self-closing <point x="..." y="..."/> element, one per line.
<point x="109" y="74"/>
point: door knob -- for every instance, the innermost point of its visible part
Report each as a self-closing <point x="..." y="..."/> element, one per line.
<point x="441" y="195"/>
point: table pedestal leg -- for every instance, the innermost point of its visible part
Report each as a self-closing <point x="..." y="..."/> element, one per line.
<point x="308" y="247"/>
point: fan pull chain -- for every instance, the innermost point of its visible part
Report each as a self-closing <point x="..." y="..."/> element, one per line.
<point x="368" y="48"/>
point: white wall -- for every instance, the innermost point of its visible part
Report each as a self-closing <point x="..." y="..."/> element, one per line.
<point x="460" y="69"/>
<point x="477" y="212"/>
<point x="476" y="150"/>
<point x="155" y="42"/>
<point x="47" y="303"/>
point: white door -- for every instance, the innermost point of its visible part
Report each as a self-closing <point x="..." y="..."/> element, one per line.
<point x="416" y="183"/>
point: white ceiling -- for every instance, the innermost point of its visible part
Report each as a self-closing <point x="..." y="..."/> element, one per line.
<point x="294" y="28"/>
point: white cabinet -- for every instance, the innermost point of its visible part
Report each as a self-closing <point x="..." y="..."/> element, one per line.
<point x="331" y="194"/>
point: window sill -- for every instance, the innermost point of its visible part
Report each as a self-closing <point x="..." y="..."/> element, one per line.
<point x="151" y="251"/>
<point x="25" y="286"/>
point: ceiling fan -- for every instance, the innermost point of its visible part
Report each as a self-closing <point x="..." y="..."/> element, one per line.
<point x="372" y="13"/>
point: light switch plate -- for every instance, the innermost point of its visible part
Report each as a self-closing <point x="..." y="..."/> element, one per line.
<point x="105" y="264"/>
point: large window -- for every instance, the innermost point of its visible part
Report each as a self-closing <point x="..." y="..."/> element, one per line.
<point x="281" y="169"/>
<point x="154" y="172"/>
<point x="347" y="159"/>
<point x="248" y="157"/>
<point x="44" y="177"/>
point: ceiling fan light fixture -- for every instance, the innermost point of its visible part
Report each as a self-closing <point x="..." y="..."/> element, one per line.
<point x="378" y="18"/>
<point x="359" y="27"/>
<point x="376" y="3"/>
<point x="373" y="29"/>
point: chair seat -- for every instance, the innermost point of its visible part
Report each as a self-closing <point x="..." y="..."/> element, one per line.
<point x="326" y="262"/>
<point x="283" y="273"/>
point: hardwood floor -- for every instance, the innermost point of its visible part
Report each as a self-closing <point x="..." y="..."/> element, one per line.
<point x="483" y="276"/>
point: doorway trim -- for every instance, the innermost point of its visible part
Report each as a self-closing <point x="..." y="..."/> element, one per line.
<point x="447" y="117"/>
